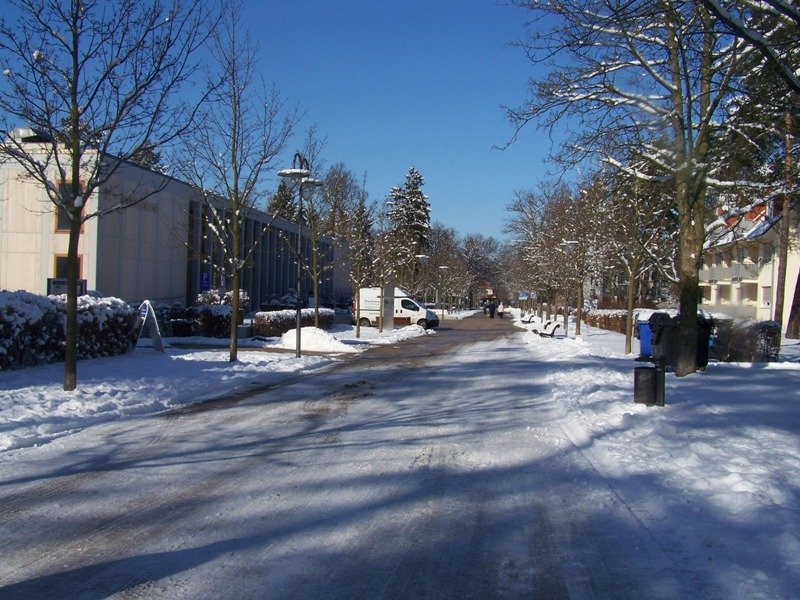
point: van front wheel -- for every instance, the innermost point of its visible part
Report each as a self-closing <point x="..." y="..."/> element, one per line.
<point x="365" y="322"/>
<point x="423" y="323"/>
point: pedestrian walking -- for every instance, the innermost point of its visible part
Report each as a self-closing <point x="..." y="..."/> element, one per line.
<point x="500" y="310"/>
<point x="492" y="308"/>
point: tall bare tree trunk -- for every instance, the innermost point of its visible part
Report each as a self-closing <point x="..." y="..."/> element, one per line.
<point x="785" y="228"/>
<point x="793" y="324"/>
<point x="691" y="247"/>
<point x="631" y="297"/>
<point x="71" y="326"/>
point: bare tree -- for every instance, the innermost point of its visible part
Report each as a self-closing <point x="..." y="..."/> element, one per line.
<point x="97" y="83"/>
<point x="772" y="27"/>
<point x="648" y="80"/>
<point x="244" y="127"/>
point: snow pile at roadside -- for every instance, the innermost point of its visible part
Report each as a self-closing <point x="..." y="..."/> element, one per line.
<point x="318" y="339"/>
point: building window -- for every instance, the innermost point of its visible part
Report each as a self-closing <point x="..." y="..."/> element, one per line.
<point x="60" y="267"/>
<point x="62" y="219"/>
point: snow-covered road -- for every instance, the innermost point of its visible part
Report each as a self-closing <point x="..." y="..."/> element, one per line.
<point x="455" y="476"/>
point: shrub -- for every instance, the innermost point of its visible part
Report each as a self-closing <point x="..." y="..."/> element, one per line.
<point x="32" y="328"/>
<point x="214" y="320"/>
<point x="276" y="323"/>
<point x="746" y="341"/>
<point x="105" y="326"/>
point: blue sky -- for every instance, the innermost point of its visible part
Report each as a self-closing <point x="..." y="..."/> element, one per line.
<point x="392" y="84"/>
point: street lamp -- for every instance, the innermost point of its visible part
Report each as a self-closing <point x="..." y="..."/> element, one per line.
<point x="422" y="259"/>
<point x="442" y="270"/>
<point x="569" y="246"/>
<point x="298" y="174"/>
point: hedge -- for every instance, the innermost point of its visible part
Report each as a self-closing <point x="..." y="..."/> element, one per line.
<point x="32" y="328"/>
<point x="276" y="323"/>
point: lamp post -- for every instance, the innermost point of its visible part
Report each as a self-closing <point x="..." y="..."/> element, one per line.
<point x="568" y="248"/>
<point x="298" y="174"/>
<point x="442" y="270"/>
<point x="422" y="259"/>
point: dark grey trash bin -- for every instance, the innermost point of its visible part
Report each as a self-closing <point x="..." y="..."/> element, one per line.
<point x="704" y="328"/>
<point x="644" y="385"/>
<point x="665" y="340"/>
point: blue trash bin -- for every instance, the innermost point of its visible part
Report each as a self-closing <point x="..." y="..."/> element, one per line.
<point x="645" y="339"/>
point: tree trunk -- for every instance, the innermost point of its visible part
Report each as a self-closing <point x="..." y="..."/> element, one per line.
<point x="785" y="228"/>
<point x="71" y="329"/>
<point x="579" y="308"/>
<point x="692" y="232"/>
<point x="793" y="323"/>
<point x="691" y="246"/>
<point x="235" y="284"/>
<point x="631" y="296"/>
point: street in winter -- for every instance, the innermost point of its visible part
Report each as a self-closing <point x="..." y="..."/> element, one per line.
<point x="476" y="461"/>
<point x="400" y="300"/>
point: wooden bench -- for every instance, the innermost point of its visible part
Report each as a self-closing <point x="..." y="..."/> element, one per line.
<point x="548" y="329"/>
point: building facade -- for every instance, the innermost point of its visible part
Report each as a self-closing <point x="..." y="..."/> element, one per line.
<point x="740" y="265"/>
<point x="160" y="249"/>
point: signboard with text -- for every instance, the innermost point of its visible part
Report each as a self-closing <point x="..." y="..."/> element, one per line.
<point x="57" y="286"/>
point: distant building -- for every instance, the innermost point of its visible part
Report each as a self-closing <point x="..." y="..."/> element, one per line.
<point x="740" y="264"/>
<point x="155" y="250"/>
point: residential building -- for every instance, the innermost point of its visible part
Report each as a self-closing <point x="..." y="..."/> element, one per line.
<point x="740" y="265"/>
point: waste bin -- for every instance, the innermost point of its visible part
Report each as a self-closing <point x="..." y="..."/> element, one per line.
<point x="645" y="338"/>
<point x="664" y="330"/>
<point x="644" y="385"/>
<point x="705" y="325"/>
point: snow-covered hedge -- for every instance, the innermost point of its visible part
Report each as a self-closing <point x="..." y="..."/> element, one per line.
<point x="276" y="323"/>
<point x="214" y="320"/>
<point x="609" y="319"/>
<point x="736" y="340"/>
<point x="732" y="340"/>
<point x="32" y="328"/>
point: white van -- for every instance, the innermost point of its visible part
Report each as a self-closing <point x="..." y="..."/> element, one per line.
<point x="407" y="311"/>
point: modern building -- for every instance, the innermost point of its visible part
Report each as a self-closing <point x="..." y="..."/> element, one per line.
<point x="740" y="267"/>
<point x="160" y="249"/>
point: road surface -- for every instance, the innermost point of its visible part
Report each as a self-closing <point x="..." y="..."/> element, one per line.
<point x="423" y="470"/>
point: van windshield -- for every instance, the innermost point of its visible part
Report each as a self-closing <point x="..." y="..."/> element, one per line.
<point x="409" y="305"/>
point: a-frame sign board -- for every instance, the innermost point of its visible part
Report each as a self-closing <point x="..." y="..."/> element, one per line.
<point x="147" y="320"/>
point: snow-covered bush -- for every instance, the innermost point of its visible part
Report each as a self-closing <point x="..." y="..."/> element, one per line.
<point x="746" y="341"/>
<point x="214" y="320"/>
<point x="285" y="302"/>
<point x="276" y="323"/>
<point x="244" y="299"/>
<point x="32" y="328"/>
<point x="609" y="319"/>
<point x="215" y="297"/>
<point x="105" y="326"/>
<point x="176" y="320"/>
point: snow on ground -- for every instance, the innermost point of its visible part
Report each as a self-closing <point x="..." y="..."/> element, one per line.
<point x="34" y="408"/>
<point x="720" y="461"/>
<point x="724" y="451"/>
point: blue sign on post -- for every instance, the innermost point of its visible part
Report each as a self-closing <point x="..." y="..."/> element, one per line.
<point x="205" y="281"/>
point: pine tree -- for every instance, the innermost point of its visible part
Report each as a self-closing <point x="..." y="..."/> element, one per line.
<point x="408" y="211"/>
<point x="282" y="204"/>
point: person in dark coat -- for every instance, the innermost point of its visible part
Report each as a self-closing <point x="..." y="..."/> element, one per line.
<point x="492" y="308"/>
